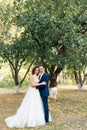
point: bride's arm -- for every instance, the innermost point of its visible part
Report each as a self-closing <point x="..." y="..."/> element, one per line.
<point x="34" y="83"/>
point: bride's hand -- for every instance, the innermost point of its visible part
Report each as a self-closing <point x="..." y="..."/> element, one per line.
<point x="43" y="83"/>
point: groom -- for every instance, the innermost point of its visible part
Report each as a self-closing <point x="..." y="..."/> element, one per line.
<point x="44" y="91"/>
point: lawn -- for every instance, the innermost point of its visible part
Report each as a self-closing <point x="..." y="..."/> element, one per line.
<point x="69" y="111"/>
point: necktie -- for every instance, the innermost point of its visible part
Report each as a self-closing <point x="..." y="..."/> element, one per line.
<point x="39" y="76"/>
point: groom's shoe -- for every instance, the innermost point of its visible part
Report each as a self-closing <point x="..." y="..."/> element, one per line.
<point x="47" y="121"/>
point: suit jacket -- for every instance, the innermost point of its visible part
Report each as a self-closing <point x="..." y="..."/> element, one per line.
<point x="44" y="89"/>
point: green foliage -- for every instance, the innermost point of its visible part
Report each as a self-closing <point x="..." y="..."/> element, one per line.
<point x="51" y="32"/>
<point x="9" y="83"/>
<point x="78" y="39"/>
<point x="6" y="83"/>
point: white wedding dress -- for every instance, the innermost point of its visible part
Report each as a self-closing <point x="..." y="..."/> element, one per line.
<point x="30" y="112"/>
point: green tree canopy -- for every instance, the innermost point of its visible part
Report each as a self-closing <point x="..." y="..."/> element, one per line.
<point x="53" y="31"/>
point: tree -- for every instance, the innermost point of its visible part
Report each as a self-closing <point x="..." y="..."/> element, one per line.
<point x="42" y="22"/>
<point x="78" y="56"/>
<point x="14" y="49"/>
<point x="49" y="28"/>
<point x="53" y="29"/>
<point x="17" y="56"/>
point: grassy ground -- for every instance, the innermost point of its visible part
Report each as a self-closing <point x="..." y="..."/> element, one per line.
<point x="69" y="111"/>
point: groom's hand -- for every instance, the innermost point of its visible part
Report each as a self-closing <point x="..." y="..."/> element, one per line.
<point x="43" y="83"/>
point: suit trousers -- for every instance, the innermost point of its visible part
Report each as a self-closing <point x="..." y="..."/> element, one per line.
<point x="46" y="109"/>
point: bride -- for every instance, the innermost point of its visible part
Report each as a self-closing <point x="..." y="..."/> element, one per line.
<point x="31" y="112"/>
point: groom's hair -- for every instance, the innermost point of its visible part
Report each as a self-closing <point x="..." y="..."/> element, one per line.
<point x="42" y="66"/>
<point x="33" y="70"/>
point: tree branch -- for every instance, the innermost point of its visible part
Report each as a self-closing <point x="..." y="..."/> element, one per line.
<point x="27" y="71"/>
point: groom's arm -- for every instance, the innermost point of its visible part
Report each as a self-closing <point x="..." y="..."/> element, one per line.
<point x="40" y="87"/>
<point x="45" y="79"/>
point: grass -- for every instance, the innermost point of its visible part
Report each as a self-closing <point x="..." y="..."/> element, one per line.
<point x="9" y="83"/>
<point x="69" y="111"/>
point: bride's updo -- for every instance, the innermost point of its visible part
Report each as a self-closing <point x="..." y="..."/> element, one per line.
<point x="34" y="69"/>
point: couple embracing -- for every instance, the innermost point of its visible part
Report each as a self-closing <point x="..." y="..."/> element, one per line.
<point x="34" y="110"/>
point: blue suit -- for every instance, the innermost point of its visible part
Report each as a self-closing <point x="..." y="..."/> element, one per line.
<point x="44" y="92"/>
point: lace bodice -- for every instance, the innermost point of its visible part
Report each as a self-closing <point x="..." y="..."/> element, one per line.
<point x="36" y="79"/>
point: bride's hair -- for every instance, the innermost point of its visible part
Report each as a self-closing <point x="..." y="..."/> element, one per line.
<point x="33" y="70"/>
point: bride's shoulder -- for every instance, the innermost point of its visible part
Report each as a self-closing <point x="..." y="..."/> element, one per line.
<point x="33" y="76"/>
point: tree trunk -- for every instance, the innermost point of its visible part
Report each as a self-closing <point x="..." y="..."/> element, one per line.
<point x="76" y="75"/>
<point x="17" y="84"/>
<point x="26" y="72"/>
<point x="17" y="89"/>
<point x="53" y="92"/>
<point x="53" y="80"/>
<point x="53" y="75"/>
<point x="53" y="85"/>
<point x="80" y="86"/>
<point x="78" y="78"/>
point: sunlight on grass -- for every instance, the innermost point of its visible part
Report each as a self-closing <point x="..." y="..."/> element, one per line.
<point x="69" y="111"/>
